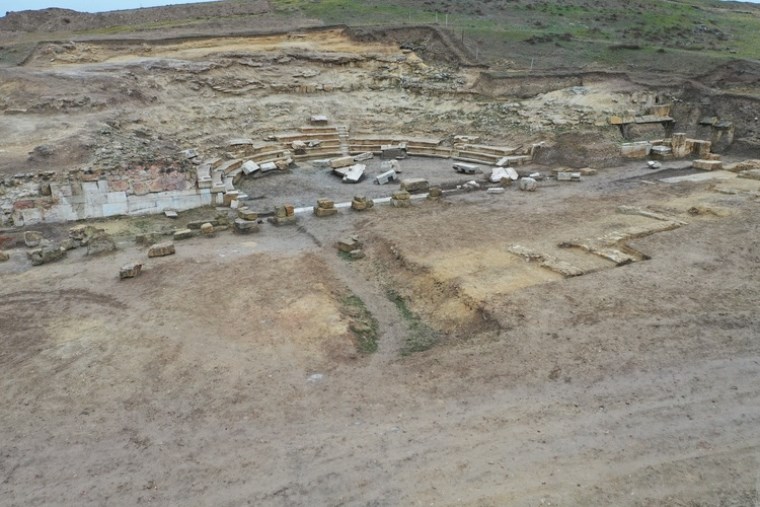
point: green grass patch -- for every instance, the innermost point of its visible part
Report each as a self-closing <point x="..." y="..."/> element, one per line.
<point x="420" y="337"/>
<point x="363" y="324"/>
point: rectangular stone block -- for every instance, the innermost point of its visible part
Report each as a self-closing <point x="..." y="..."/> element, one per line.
<point x="111" y="210"/>
<point x="242" y="226"/>
<point x="349" y="244"/>
<point x="280" y="221"/>
<point x="161" y="249"/>
<point x="183" y="234"/>
<point x="230" y="196"/>
<point x="707" y="165"/>
<point x="415" y="185"/>
<point x="339" y="162"/>
<point x="636" y="150"/>
<point x="325" y="203"/>
<point x="325" y="212"/>
<point x="247" y="214"/>
<point x="354" y="174"/>
<point x="116" y="197"/>
<point x="363" y="156"/>
<point x="250" y="167"/>
<point x="386" y="177"/>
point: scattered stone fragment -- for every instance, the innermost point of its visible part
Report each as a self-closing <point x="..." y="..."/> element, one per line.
<point x="386" y="177"/>
<point x="349" y="244"/>
<point x="170" y="213"/>
<point x="387" y="165"/>
<point x="415" y="185"/>
<point x="100" y="243"/>
<point x="363" y="156"/>
<point x="325" y="208"/>
<point x="32" y="239"/>
<point x="78" y="233"/>
<point x="435" y="194"/>
<point x="284" y="215"/>
<point x="401" y="199"/>
<point x="354" y="174"/>
<point x="653" y="164"/>
<point x="4" y="256"/>
<point x="161" y="249"/>
<point x="503" y="175"/>
<point x="750" y="174"/>
<point x="130" y="270"/>
<point x="498" y="174"/>
<point x="463" y="168"/>
<point x="207" y="230"/>
<point x="528" y="184"/>
<point x="299" y="147"/>
<point x="268" y="167"/>
<point x="189" y="154"/>
<point x="588" y="171"/>
<point x="249" y="167"/>
<point x="184" y="234"/>
<point x="568" y="176"/>
<point x="279" y="221"/>
<point x="337" y="163"/>
<point x="471" y="185"/>
<point x="318" y="119"/>
<point x="361" y="203"/>
<point x="247" y="213"/>
<point x="744" y="165"/>
<point x="241" y="226"/>
<point x="495" y="190"/>
<point x="356" y="254"/>
<point x="43" y="255"/>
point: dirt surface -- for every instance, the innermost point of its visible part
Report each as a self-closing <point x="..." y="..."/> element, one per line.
<point x="228" y="374"/>
<point x="592" y="343"/>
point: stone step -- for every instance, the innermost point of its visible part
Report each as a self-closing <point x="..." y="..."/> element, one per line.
<point x="486" y="149"/>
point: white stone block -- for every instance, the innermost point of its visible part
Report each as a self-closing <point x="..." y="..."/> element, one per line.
<point x="115" y="209"/>
<point x="116" y="197"/>
<point x="31" y="216"/>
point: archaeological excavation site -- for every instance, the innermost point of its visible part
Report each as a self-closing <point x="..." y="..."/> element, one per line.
<point x="386" y="253"/>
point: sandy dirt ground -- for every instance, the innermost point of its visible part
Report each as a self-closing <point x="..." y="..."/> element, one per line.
<point x="229" y="374"/>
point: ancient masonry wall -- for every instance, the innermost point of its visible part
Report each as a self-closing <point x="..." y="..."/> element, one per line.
<point x="29" y="199"/>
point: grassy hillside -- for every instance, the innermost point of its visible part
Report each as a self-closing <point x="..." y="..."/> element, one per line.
<point x="646" y="35"/>
<point x="570" y="33"/>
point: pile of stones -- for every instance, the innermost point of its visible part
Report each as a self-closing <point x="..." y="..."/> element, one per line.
<point x="325" y="208"/>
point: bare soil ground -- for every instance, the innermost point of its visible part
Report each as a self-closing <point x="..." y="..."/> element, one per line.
<point x="229" y="374"/>
<point x="234" y="372"/>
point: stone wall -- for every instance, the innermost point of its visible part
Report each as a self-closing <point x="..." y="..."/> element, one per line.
<point x="28" y="199"/>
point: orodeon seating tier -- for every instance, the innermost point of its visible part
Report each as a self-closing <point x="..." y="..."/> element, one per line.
<point x="206" y="179"/>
